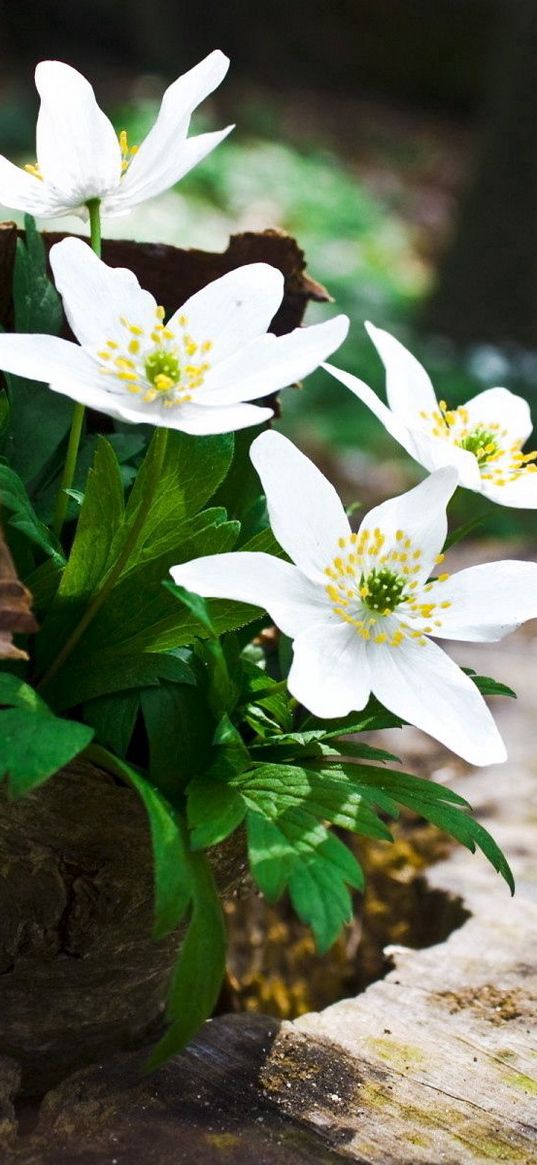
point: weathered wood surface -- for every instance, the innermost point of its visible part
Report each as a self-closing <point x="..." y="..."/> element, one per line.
<point x="434" y="1064"/>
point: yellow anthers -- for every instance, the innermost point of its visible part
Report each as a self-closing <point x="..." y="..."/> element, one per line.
<point x="34" y="169"/>
<point x="381" y="638"/>
<point x="127" y="152"/>
<point x="439" y="558"/>
<point x="342" y="542"/>
<point x="443" y="577"/>
<point x="104" y="355"/>
<point x="112" y="344"/>
<point x="445" y="605"/>
<point x="182" y="321"/>
<point x="163" y="383"/>
<point x="160" y="313"/>
<point x="397" y="639"/>
<point x="333" y="593"/>
<point x="400" y="535"/>
<point x="136" y="330"/>
<point x="207" y="346"/>
<point x="134" y="347"/>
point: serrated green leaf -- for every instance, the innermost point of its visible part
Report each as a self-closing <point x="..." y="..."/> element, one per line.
<point x="23" y="517"/>
<point x="271" y="854"/>
<point x="441" y="806"/>
<point x="214" y="811"/>
<point x="191" y="472"/>
<point x="298" y="850"/>
<point x="37" y="305"/>
<point x="139" y="621"/>
<point x="101" y="516"/>
<point x="173" y="885"/>
<point x="274" y="789"/>
<point x="39" y="419"/>
<point x="488" y="686"/>
<point x="34" y="744"/>
<point x="373" y="718"/>
<point x="200" y="969"/>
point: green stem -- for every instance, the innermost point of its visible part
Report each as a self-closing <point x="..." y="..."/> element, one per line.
<point x="62" y="500"/>
<point x="159" y="451"/>
<point x="94" y="210"/>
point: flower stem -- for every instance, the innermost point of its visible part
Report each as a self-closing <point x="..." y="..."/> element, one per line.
<point x="93" y="205"/>
<point x="158" y="450"/>
<point x="62" y="500"/>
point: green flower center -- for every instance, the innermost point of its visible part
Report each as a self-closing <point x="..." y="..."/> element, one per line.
<point x="482" y="443"/>
<point x="383" y="590"/>
<point x="162" y="369"/>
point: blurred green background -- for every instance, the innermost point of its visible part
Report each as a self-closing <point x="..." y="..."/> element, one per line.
<point x="396" y="140"/>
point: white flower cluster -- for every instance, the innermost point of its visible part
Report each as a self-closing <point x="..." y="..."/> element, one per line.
<point x="364" y="607"/>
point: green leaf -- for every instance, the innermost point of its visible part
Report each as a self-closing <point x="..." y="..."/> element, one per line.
<point x="192" y="470"/>
<point x="37" y="305"/>
<point x="15" y="693"/>
<point x="488" y="686"/>
<point x="172" y="869"/>
<point x="373" y="718"/>
<point x="214" y="811"/>
<point x="14" y="498"/>
<point x="34" y="744"/>
<point x="200" y="969"/>
<point x="273" y="789"/>
<point x="179" y="727"/>
<point x="441" y="806"/>
<point x="101" y="516"/>
<point x="231" y="753"/>
<point x="461" y="531"/>
<point x="113" y="717"/>
<point x="318" y="888"/>
<point x="299" y="851"/>
<point x="139" y="620"/>
<point x="39" y="419"/>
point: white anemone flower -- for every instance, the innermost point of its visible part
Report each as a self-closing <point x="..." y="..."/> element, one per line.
<point x="196" y="372"/>
<point x="361" y="607"/>
<point x="482" y="439"/>
<point x="81" y="158"/>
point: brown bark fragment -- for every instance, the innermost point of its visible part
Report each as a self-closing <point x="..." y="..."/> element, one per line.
<point x="15" y="606"/>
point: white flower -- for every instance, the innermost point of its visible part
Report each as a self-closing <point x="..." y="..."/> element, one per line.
<point x="482" y="439"/>
<point x="194" y="372"/>
<point x="80" y="156"/>
<point x="360" y="607"/>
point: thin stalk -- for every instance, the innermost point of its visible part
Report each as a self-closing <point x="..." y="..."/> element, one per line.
<point x="62" y="500"/>
<point x="161" y="437"/>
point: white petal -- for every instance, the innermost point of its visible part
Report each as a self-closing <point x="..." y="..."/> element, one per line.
<point x="164" y="156"/>
<point x="233" y="310"/>
<point x="96" y="296"/>
<point x="499" y="406"/>
<point x="201" y="420"/>
<point x="22" y="191"/>
<point x="519" y="494"/>
<point x="408" y="386"/>
<point x="330" y="673"/>
<point x="487" y="602"/>
<point x="172" y="167"/>
<point x="274" y="362"/>
<point x="77" y="147"/>
<point x="425" y="687"/>
<point x="305" y="512"/>
<point x="278" y="587"/>
<point x="421" y="516"/>
<point x="431" y="452"/>
<point x="45" y="358"/>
